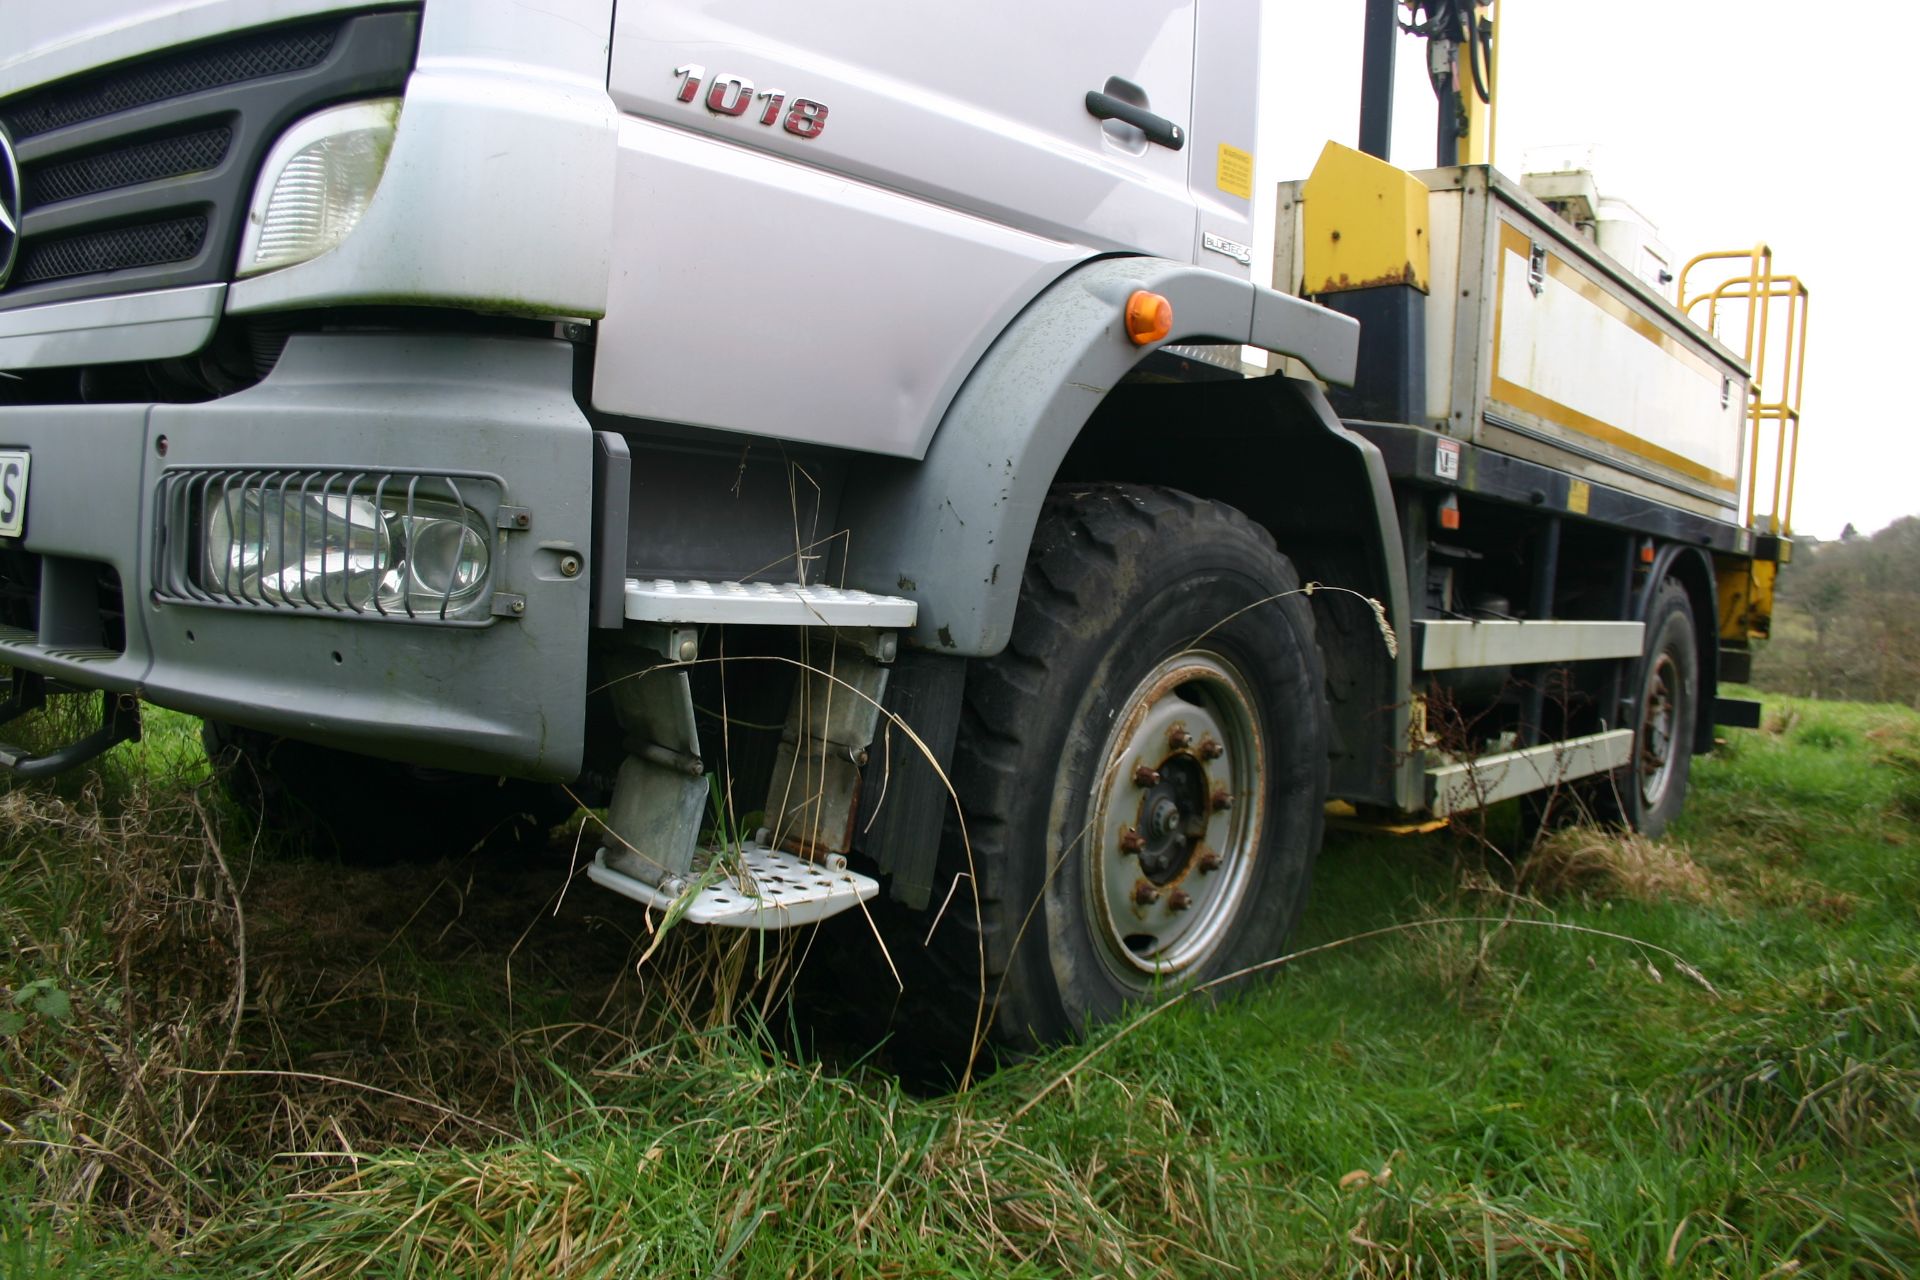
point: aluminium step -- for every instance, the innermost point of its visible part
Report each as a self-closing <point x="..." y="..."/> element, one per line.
<point x="769" y="889"/>
<point x="1461" y="785"/>
<point x="1456" y="644"/>
<point x="791" y="604"/>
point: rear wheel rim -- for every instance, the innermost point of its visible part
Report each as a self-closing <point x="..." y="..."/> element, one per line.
<point x="1659" y="710"/>
<point x="1177" y="813"/>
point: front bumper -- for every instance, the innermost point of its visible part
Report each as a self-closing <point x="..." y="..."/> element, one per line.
<point x="505" y="697"/>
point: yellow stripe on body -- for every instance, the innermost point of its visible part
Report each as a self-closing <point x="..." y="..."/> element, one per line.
<point x="1515" y="243"/>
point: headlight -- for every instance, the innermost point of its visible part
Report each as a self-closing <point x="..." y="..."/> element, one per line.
<point x="279" y="547"/>
<point x="316" y="183"/>
<point x="443" y="563"/>
<point x="381" y="553"/>
<point x="446" y="558"/>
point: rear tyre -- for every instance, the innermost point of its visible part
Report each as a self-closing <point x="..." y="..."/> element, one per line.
<point x="1143" y="772"/>
<point x="370" y="811"/>
<point x="1650" y="792"/>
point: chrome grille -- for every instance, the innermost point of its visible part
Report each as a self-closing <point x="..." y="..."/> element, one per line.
<point x="184" y="572"/>
<point x="137" y="176"/>
<point x="117" y="249"/>
<point x="128" y="166"/>
<point x="174" y="75"/>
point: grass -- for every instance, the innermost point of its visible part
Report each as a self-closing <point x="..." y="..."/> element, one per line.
<point x="455" y="1070"/>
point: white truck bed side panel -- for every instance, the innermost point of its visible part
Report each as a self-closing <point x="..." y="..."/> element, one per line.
<point x="1542" y="347"/>
<point x="1588" y="366"/>
<point x="753" y="294"/>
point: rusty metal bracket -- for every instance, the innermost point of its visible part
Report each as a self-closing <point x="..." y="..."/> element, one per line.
<point x="119" y="722"/>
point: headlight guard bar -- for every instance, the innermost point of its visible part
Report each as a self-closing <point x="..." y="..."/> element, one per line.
<point x="301" y="498"/>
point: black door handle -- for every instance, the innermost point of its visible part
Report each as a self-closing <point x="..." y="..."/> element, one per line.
<point x="1104" y="106"/>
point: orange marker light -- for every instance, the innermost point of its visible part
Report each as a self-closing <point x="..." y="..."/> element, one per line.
<point x="1149" y="317"/>
<point x="1450" y="512"/>
<point x="1646" y="553"/>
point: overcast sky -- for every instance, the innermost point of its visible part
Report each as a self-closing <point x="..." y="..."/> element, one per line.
<point x="1810" y="158"/>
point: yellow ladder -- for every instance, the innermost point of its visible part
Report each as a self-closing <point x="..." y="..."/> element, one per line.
<point x="1755" y="291"/>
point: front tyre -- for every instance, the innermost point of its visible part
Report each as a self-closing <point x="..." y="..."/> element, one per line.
<point x="1143" y="770"/>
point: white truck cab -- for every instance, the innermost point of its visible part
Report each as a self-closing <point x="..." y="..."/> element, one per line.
<point x="468" y="389"/>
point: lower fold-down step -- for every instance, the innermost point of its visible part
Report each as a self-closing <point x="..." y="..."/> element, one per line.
<point x="1460" y="785"/>
<point x="776" y="891"/>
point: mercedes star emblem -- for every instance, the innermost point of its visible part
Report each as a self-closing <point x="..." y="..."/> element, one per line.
<point x="9" y="207"/>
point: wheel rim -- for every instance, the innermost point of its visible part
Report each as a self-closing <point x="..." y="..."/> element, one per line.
<point x="1657" y="714"/>
<point x="1176" y="819"/>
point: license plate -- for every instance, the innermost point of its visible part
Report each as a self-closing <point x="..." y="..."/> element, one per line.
<point x="13" y="492"/>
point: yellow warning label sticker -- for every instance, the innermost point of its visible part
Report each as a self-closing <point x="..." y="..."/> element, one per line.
<point x="1234" y="173"/>
<point x="1578" y="493"/>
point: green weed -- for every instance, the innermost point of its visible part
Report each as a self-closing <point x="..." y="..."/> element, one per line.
<point x="1830" y="1059"/>
<point x="1824" y="737"/>
<point x="1690" y="1057"/>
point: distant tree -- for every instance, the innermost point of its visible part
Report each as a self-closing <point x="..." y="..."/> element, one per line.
<point x="1847" y="619"/>
<point x="1825" y="597"/>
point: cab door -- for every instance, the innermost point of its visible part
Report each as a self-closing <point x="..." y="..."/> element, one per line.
<point x="826" y="211"/>
<point x="981" y="107"/>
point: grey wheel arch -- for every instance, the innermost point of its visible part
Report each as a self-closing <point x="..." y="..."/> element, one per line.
<point x="953" y="530"/>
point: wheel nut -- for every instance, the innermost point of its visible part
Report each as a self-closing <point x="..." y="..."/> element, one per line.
<point x="1178" y="738"/>
<point x="1145" y="776"/>
<point x="1179" y="900"/>
<point x="1211" y="750"/>
<point x="1132" y="841"/>
<point x="1145" y="893"/>
<point x="1209" y="860"/>
<point x="1222" y="798"/>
